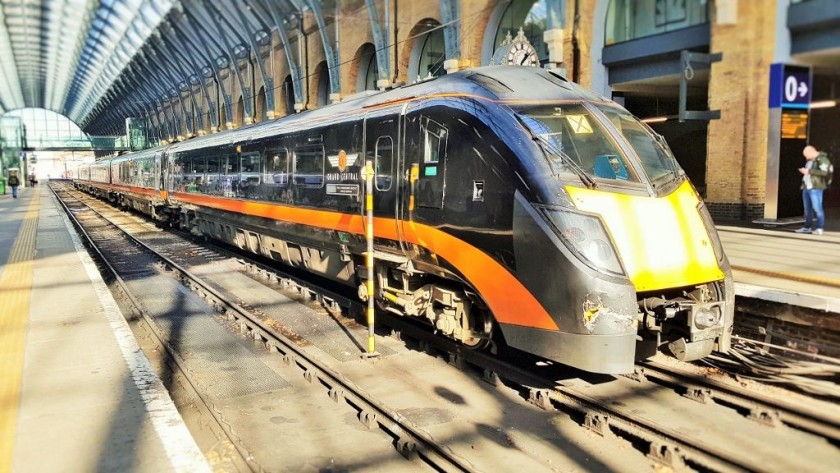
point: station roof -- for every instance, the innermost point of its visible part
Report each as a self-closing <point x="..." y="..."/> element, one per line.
<point x="79" y="57"/>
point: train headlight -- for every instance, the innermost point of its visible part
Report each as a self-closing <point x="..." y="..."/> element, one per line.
<point x="585" y="236"/>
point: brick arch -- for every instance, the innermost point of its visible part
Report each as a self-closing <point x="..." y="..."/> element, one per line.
<point x="360" y="61"/>
<point x="406" y="55"/>
<point x="287" y="96"/>
<point x="259" y="110"/>
<point x="316" y="81"/>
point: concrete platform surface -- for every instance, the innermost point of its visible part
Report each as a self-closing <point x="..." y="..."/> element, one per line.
<point x="780" y="265"/>
<point x="76" y="392"/>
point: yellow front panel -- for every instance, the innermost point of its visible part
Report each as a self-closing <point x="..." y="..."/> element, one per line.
<point x="661" y="241"/>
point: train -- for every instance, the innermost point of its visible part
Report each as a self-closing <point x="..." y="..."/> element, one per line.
<point x="511" y="206"/>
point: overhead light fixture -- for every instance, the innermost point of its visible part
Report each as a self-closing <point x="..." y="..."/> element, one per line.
<point x="654" y="120"/>
<point x="823" y="104"/>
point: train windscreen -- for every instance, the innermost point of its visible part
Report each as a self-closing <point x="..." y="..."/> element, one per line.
<point x="574" y="141"/>
<point x="654" y="154"/>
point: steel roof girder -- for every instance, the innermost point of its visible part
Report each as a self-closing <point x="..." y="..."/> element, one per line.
<point x="226" y="95"/>
<point x="173" y="38"/>
<point x="380" y="42"/>
<point x="450" y="15"/>
<point x="247" y="94"/>
<point x="268" y="80"/>
<point x="329" y="52"/>
<point x="158" y="50"/>
<point x="294" y="64"/>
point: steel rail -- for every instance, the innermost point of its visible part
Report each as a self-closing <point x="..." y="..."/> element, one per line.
<point x="762" y="407"/>
<point x="667" y="446"/>
<point x="245" y="455"/>
<point x="410" y="441"/>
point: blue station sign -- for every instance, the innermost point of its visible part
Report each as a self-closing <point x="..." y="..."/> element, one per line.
<point x="790" y="86"/>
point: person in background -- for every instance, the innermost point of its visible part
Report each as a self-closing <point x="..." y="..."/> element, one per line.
<point x="814" y="175"/>
<point x="32" y="180"/>
<point x="14" y="182"/>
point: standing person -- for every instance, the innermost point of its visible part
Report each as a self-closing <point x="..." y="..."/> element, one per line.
<point x="32" y="180"/>
<point x="14" y="182"/>
<point x="814" y="175"/>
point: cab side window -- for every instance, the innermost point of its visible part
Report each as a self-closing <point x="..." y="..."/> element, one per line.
<point x="383" y="162"/>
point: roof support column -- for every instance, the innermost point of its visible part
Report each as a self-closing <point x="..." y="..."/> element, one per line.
<point x="329" y="52"/>
<point x="233" y="55"/>
<point x="218" y="64"/>
<point x="160" y="78"/>
<point x="554" y="32"/>
<point x="197" y="78"/>
<point x="294" y="65"/>
<point x="450" y="15"/>
<point x="380" y="42"/>
<point x="204" y="73"/>
<point x="182" y="86"/>
<point x="256" y="43"/>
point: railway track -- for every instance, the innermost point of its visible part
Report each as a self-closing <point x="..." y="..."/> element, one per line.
<point x="133" y="257"/>
<point x="665" y="444"/>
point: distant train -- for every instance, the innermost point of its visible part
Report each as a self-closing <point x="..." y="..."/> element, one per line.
<point x="510" y="204"/>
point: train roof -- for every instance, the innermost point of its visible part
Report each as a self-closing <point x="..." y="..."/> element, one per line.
<point x="498" y="83"/>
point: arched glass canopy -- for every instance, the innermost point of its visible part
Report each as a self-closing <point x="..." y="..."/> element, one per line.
<point x="100" y="61"/>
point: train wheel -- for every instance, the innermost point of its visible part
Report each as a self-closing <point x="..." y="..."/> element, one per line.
<point x="482" y="323"/>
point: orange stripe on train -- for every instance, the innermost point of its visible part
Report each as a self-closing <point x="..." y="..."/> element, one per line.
<point x="508" y="299"/>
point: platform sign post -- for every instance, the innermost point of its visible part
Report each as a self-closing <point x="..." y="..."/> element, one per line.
<point x="369" y="174"/>
<point x="789" y="118"/>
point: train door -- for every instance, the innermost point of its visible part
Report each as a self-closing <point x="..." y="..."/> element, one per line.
<point x="422" y="170"/>
<point x="381" y="133"/>
<point x="162" y="174"/>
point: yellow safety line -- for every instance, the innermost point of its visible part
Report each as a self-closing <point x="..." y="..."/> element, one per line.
<point x="15" y="287"/>
<point x="791" y="276"/>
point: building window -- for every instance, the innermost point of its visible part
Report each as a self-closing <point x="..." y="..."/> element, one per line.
<point x="633" y="19"/>
<point x="368" y="71"/>
<point x="323" y="97"/>
<point x="428" y="53"/>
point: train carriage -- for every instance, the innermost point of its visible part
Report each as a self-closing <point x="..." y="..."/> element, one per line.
<point x="509" y="203"/>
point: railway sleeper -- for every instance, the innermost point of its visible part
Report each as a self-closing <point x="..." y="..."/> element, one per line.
<point x="369" y="419"/>
<point x="407" y="448"/>
<point x="765" y="416"/>
<point x="701" y="395"/>
<point x="540" y="398"/>
<point x="598" y="423"/>
<point x="668" y="455"/>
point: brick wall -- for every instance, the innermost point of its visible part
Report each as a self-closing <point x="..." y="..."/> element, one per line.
<point x="738" y="86"/>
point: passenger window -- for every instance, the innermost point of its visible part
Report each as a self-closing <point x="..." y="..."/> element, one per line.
<point x="194" y="175"/>
<point x="276" y="167"/>
<point x="309" y="166"/>
<point x="383" y="162"/>
<point x="251" y="169"/>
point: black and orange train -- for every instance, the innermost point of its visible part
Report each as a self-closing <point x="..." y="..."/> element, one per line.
<point x="510" y="205"/>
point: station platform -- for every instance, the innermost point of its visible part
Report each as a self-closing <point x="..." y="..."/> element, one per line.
<point x="76" y="391"/>
<point x="780" y="265"/>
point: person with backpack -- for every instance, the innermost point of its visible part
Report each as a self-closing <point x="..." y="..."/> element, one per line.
<point x="816" y="177"/>
<point x="14" y="182"/>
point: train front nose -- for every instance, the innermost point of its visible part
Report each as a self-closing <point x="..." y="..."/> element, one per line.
<point x="669" y="249"/>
